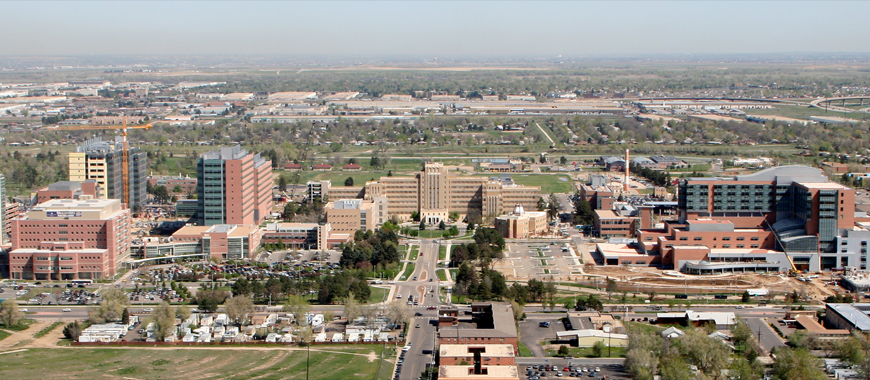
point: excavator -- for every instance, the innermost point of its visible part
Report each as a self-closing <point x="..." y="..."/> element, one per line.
<point x="125" y="169"/>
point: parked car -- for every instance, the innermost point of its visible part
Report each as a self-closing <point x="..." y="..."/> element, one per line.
<point x="67" y="310"/>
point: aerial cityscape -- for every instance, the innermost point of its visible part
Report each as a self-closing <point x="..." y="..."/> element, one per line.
<point x="353" y="194"/>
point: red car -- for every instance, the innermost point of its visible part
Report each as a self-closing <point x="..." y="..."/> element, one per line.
<point x="430" y="308"/>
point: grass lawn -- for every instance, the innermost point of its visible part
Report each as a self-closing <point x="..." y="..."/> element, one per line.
<point x="453" y="273"/>
<point x="431" y="233"/>
<point x="442" y="252"/>
<point x="87" y="363"/>
<point x="586" y="352"/>
<point x="442" y="274"/>
<point x="643" y="327"/>
<point x="378" y="294"/>
<point x="549" y="183"/>
<point x="4" y="334"/>
<point x="403" y="251"/>
<point x="409" y="269"/>
<point x="415" y="250"/>
<point x="33" y="292"/>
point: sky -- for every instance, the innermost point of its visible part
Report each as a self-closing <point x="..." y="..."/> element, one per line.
<point x="435" y="28"/>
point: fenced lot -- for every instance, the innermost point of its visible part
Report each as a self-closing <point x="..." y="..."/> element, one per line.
<point x="327" y="362"/>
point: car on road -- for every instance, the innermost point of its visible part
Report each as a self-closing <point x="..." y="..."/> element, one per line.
<point x="418" y="314"/>
<point x="148" y="310"/>
<point x="67" y="310"/>
<point x="417" y="326"/>
<point x="24" y="310"/>
<point x="430" y="308"/>
<point x="399" y="295"/>
<point x="544" y="324"/>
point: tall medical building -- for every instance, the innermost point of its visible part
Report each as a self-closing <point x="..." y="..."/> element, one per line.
<point x="233" y="187"/>
<point x="434" y="193"/>
<point x="103" y="161"/>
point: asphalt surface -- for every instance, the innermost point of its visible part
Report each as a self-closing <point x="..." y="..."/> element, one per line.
<point x="767" y="337"/>
<point x="423" y="337"/>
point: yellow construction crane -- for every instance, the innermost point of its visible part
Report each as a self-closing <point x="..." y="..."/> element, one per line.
<point x="125" y="169"/>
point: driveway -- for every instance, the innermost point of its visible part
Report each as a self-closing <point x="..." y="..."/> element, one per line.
<point x="769" y="338"/>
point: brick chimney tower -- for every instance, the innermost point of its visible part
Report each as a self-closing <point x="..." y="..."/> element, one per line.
<point x="625" y="181"/>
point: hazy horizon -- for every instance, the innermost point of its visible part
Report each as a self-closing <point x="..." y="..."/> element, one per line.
<point x="439" y="28"/>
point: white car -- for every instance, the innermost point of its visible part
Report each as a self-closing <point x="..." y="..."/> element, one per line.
<point x="67" y="310"/>
<point x="148" y="310"/>
<point x="24" y="310"/>
<point x="406" y="348"/>
<point x="399" y="295"/>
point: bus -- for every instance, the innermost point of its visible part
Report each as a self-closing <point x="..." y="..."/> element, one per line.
<point x="82" y="282"/>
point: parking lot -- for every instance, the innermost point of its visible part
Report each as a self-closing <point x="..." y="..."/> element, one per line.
<point x="538" y="260"/>
<point x="532" y="334"/>
<point x="572" y="368"/>
<point x="50" y="294"/>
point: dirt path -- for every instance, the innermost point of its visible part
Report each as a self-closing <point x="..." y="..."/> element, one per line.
<point x="49" y="340"/>
<point x="21" y="337"/>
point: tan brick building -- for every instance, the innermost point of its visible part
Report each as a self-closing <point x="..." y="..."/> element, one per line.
<point x="350" y="215"/>
<point x="434" y="193"/>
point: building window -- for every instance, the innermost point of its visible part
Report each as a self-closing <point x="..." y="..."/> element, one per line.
<point x="726" y="245"/>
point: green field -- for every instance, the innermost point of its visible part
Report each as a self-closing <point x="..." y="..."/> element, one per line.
<point x="442" y="252"/>
<point x="643" y="327"/>
<point x="33" y="292"/>
<point x="525" y="352"/>
<point x="586" y="352"/>
<point x="431" y="232"/>
<point x="341" y="362"/>
<point x="549" y="183"/>
<point x="415" y="250"/>
<point x="442" y="274"/>
<point x="378" y="294"/>
<point x="409" y="269"/>
<point x="403" y="251"/>
<point x="4" y="334"/>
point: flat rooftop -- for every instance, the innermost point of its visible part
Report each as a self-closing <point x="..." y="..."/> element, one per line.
<point x="852" y="314"/>
<point x="823" y="185"/>
<point x="467" y="372"/>
<point x="488" y="350"/>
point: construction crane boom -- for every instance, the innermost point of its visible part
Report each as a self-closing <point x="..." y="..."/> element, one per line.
<point x="125" y="156"/>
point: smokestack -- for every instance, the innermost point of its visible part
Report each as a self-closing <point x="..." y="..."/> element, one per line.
<point x="625" y="181"/>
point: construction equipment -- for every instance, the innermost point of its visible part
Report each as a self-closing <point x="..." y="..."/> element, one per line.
<point x="125" y="157"/>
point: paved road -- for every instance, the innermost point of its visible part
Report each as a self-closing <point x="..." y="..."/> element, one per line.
<point x="768" y="338"/>
<point x="423" y="337"/>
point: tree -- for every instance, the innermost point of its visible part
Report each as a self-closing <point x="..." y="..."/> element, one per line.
<point x="708" y="354"/>
<point x="743" y="369"/>
<point x="298" y="306"/>
<point x="183" y="312"/>
<point x="304" y="335"/>
<point x="454" y="215"/>
<point x="164" y="321"/>
<point x="583" y="213"/>
<point x="10" y="315"/>
<point x="611" y="287"/>
<point x="238" y="309"/>
<point x="470" y="226"/>
<point x="746" y="297"/>
<point x="348" y="182"/>
<point x="351" y="308"/>
<point x="398" y="311"/>
<point x="563" y="160"/>
<point x="563" y="350"/>
<point x="800" y="339"/>
<point x="125" y="316"/>
<point x="598" y="349"/>
<point x="72" y="331"/>
<point x="112" y="304"/>
<point x="797" y="364"/>
<point x="519" y="313"/>
<point x="375" y="162"/>
<point x="442" y="226"/>
<point x="855" y="350"/>
<point x="161" y="194"/>
<point x="675" y="368"/>
<point x="422" y="225"/>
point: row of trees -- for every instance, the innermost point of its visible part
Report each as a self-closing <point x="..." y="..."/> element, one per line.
<point x="650" y="355"/>
<point x="372" y="249"/>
